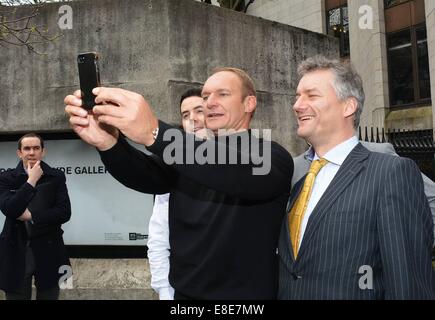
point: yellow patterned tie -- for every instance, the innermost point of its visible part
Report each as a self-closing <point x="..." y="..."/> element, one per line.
<point x="301" y="203"/>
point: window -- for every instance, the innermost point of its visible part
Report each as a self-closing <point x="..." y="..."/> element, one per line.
<point x="423" y="63"/>
<point x="337" y="25"/>
<point x="392" y="3"/>
<point x="408" y="66"/>
<point x="400" y="75"/>
<point x="408" y="61"/>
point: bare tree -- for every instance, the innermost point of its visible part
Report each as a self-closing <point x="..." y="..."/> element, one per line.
<point x="22" y="30"/>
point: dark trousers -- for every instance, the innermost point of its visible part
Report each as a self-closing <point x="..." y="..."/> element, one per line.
<point x="180" y="296"/>
<point x="26" y="292"/>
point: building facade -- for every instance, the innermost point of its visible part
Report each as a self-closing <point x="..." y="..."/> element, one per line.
<point x="392" y="45"/>
<point x="390" y="42"/>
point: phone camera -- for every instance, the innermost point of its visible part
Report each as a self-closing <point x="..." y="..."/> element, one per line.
<point x="81" y="59"/>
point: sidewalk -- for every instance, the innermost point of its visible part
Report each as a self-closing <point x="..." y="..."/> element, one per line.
<point x="108" y="279"/>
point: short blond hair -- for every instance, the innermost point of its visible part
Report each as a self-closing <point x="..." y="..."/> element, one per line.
<point x="248" y="88"/>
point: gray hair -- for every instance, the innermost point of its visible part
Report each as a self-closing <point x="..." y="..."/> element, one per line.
<point x="347" y="82"/>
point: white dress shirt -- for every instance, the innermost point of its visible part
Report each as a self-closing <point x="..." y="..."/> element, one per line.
<point x="158" y="248"/>
<point x="335" y="157"/>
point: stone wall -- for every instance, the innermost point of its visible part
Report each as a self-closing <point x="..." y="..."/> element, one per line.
<point x="157" y="48"/>
<point x="369" y="56"/>
<point x="306" y="14"/>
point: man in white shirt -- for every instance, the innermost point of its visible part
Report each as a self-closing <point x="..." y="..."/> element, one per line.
<point x="192" y="118"/>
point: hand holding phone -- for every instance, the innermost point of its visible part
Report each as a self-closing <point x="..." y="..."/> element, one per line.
<point x="89" y="75"/>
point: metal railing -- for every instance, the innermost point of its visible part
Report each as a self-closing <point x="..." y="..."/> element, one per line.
<point x="417" y="145"/>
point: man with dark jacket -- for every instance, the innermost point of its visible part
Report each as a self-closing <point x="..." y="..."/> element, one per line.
<point x="34" y="198"/>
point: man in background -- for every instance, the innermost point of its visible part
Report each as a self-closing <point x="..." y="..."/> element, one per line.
<point x="34" y="198"/>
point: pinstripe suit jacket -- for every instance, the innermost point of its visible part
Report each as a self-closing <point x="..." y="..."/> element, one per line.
<point x="374" y="214"/>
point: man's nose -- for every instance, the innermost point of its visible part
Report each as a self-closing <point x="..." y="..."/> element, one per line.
<point x="192" y="117"/>
<point x="189" y="126"/>
<point x="299" y="104"/>
<point x="211" y="101"/>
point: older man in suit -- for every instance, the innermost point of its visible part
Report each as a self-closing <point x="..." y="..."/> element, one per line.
<point x="358" y="225"/>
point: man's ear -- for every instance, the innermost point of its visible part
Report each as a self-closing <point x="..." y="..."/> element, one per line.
<point x="19" y="153"/>
<point x="43" y="153"/>
<point x="350" y="107"/>
<point x="250" y="104"/>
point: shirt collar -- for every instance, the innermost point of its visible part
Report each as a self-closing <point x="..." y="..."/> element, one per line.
<point x="336" y="155"/>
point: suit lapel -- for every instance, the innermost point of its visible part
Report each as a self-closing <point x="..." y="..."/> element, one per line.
<point x="350" y="168"/>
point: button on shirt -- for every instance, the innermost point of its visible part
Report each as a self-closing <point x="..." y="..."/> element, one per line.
<point x="335" y="157"/>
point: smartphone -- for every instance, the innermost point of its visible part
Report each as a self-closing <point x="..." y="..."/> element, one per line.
<point x="89" y="75"/>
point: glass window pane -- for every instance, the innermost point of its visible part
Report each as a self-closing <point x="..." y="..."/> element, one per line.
<point x="390" y="3"/>
<point x="338" y="26"/>
<point x="399" y="40"/>
<point x="345" y="49"/>
<point x="400" y="67"/>
<point x="345" y="16"/>
<point x="423" y="63"/>
<point x="334" y="17"/>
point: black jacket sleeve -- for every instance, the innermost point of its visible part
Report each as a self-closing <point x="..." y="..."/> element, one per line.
<point x="405" y="234"/>
<point x="13" y="202"/>
<point x="136" y="170"/>
<point x="242" y="179"/>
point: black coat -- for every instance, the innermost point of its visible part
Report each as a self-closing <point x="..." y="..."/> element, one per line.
<point x="46" y="241"/>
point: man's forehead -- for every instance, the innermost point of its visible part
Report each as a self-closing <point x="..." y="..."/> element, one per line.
<point x="30" y="142"/>
<point x="191" y="103"/>
<point x="222" y="80"/>
<point x="315" y="80"/>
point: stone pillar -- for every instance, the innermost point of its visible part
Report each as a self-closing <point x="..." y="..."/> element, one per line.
<point x="369" y="56"/>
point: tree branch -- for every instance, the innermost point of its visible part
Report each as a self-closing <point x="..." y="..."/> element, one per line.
<point x="22" y="31"/>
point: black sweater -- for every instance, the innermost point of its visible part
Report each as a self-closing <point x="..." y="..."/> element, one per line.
<point x="224" y="221"/>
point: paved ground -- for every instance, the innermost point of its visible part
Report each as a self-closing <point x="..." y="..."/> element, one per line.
<point x="108" y="279"/>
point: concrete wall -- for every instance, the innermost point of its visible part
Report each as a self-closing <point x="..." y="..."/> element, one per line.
<point x="157" y="48"/>
<point x="305" y="14"/>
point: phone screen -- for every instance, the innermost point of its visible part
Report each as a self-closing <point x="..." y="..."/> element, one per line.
<point x="89" y="76"/>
